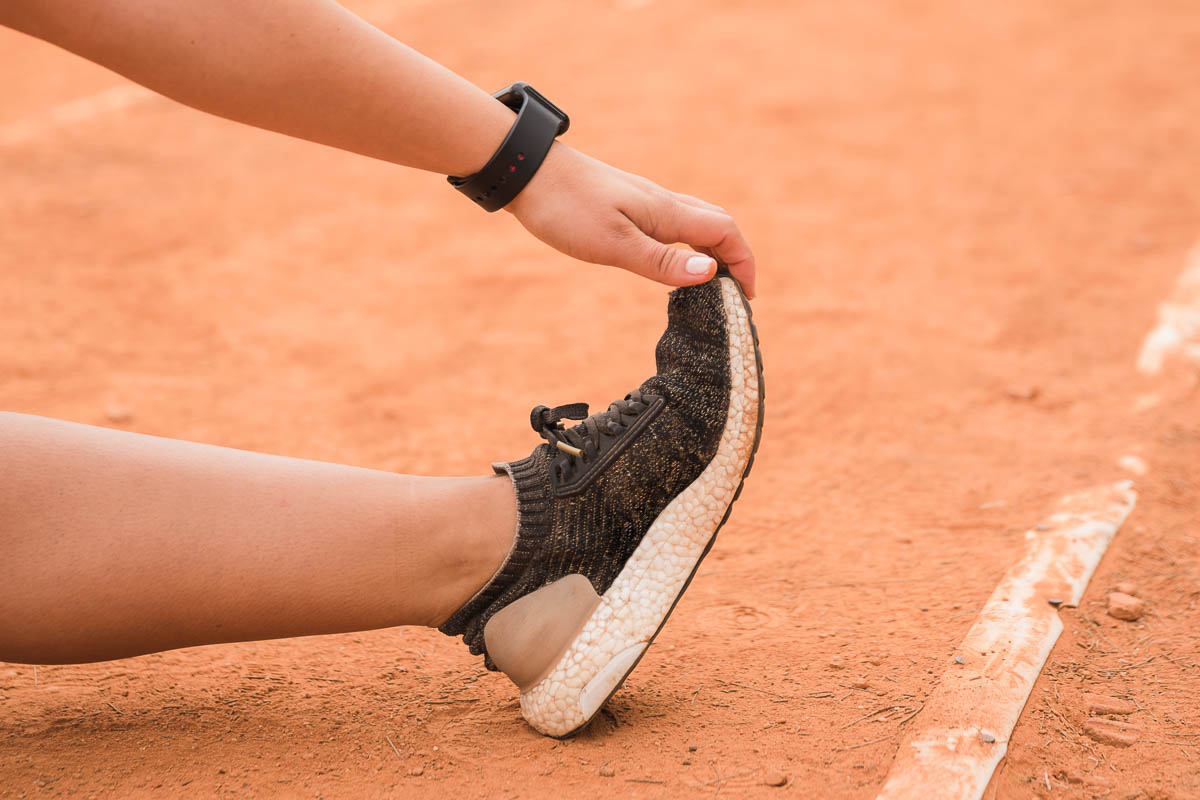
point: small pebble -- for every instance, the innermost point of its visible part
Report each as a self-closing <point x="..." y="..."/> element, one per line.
<point x="692" y="748"/>
<point x="775" y="779"/>
<point x="837" y="662"/>
<point x="986" y="737"/>
<point x="1111" y="731"/>
<point x="417" y="772"/>
<point x="1055" y="601"/>
<point x="959" y="660"/>
<point x="860" y="684"/>
<point x="1126" y="607"/>
<point x="607" y="772"/>
<point x="687" y="763"/>
<point x="1126" y="587"/>
<point x="1098" y="704"/>
<point x="1021" y="391"/>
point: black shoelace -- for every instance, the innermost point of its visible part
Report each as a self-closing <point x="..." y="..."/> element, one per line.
<point x="579" y="444"/>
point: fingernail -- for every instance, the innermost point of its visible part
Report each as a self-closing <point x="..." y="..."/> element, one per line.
<point x="699" y="265"/>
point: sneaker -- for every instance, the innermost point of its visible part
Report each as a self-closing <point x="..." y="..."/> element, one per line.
<point x="616" y="512"/>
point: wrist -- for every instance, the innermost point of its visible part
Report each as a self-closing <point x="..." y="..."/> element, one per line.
<point x="549" y="175"/>
<point x="480" y="137"/>
<point x="520" y="156"/>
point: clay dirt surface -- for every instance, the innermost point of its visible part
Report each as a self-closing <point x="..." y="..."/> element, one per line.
<point x="965" y="215"/>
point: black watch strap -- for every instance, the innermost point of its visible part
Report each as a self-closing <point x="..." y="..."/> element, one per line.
<point x="538" y="123"/>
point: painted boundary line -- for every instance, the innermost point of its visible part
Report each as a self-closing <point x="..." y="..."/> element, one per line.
<point x="1178" y="328"/>
<point x="968" y="719"/>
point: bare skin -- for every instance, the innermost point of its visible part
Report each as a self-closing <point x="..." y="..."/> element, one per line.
<point x="114" y="544"/>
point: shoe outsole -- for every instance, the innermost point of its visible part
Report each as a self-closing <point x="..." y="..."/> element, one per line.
<point x="572" y="694"/>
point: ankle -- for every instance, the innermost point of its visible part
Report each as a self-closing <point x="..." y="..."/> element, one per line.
<point x="476" y="552"/>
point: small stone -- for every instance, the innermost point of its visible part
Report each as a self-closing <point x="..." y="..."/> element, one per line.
<point x="959" y="660"/>
<point x="118" y="414"/>
<point x="1111" y="731"/>
<point x="1125" y="587"/>
<point x="837" y="662"/>
<point x="1055" y="601"/>
<point x="1021" y="391"/>
<point x="687" y="763"/>
<point x="607" y="772"/>
<point x="987" y="737"/>
<point x="1126" y="607"/>
<point x="1100" y="704"/>
<point x="417" y="772"/>
<point x="692" y="748"/>
<point x="775" y="779"/>
<point x="862" y="684"/>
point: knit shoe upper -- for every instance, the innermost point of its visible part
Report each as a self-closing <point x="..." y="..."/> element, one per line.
<point x="587" y="496"/>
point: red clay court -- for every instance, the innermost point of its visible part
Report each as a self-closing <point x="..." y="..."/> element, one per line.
<point x="966" y="217"/>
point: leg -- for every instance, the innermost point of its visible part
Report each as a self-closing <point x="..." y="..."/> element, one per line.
<point x="114" y="544"/>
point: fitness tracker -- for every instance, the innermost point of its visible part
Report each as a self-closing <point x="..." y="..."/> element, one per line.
<point x="538" y="123"/>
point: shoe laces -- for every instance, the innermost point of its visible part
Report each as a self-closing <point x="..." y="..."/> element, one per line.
<point x="579" y="444"/>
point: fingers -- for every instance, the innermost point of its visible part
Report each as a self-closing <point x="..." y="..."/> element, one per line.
<point x="711" y="231"/>
<point x="687" y="199"/>
<point x="641" y="254"/>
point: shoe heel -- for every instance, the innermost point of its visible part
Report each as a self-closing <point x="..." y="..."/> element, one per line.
<point x="527" y="637"/>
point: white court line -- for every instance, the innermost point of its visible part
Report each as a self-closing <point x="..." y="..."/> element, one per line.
<point x="968" y="719"/>
<point x="83" y="109"/>
<point x="1178" y="328"/>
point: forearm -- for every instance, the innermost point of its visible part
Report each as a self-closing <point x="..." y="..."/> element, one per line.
<point x="308" y="69"/>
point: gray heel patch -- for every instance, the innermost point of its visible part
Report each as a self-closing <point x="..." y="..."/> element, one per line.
<point x="527" y="637"/>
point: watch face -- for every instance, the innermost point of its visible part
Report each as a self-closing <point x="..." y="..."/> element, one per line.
<point x="555" y="110"/>
<point x="514" y="97"/>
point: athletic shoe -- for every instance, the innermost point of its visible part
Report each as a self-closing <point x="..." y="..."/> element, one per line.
<point x="616" y="512"/>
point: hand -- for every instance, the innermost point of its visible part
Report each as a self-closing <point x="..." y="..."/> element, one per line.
<point x="597" y="213"/>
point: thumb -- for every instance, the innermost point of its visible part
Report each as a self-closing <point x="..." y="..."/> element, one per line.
<point x="670" y="265"/>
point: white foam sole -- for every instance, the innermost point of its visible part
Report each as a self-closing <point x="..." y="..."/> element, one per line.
<point x="613" y="639"/>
